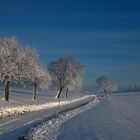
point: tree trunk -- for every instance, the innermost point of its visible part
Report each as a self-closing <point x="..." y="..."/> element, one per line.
<point x="34" y="92"/>
<point x="58" y="93"/>
<point x="105" y="93"/>
<point x="6" y="90"/>
<point x="67" y="92"/>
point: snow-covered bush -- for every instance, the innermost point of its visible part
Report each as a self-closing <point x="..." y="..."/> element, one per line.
<point x="66" y="73"/>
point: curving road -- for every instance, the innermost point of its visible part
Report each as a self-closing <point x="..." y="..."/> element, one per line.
<point x="115" y="118"/>
<point x="15" y="126"/>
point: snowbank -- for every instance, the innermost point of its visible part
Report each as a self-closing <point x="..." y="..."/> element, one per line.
<point x="19" y="110"/>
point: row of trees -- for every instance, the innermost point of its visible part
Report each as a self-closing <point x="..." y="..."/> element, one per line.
<point x="22" y="66"/>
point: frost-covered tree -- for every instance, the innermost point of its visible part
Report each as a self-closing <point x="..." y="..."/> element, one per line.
<point x="39" y="78"/>
<point x="20" y="65"/>
<point x="31" y="72"/>
<point x="66" y="73"/>
<point x="9" y="48"/>
<point x="105" y="85"/>
<point x="42" y="79"/>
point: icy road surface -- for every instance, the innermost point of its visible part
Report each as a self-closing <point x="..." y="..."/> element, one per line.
<point x="115" y="118"/>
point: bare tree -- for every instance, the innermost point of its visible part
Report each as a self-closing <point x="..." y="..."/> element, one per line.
<point x="66" y="73"/>
<point x="105" y="85"/>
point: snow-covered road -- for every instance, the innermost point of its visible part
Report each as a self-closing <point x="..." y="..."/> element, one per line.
<point x="13" y="127"/>
<point x="49" y="130"/>
<point x="115" y="118"/>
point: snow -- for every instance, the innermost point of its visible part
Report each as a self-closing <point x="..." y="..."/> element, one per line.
<point x="16" y="125"/>
<point x="48" y="130"/>
<point x="19" y="110"/>
<point x="115" y="118"/>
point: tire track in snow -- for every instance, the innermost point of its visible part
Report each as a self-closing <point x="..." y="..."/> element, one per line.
<point x="5" y="123"/>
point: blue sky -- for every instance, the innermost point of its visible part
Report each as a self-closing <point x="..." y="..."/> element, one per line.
<point x="102" y="34"/>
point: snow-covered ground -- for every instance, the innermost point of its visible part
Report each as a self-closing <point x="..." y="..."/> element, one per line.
<point x="49" y="129"/>
<point x="115" y="118"/>
<point x="21" y="102"/>
<point x="13" y="124"/>
<point x="20" y="110"/>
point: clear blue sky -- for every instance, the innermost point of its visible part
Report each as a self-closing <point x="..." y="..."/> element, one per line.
<point x="103" y="34"/>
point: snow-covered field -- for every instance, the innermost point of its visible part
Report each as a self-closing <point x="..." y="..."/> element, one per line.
<point x="6" y="111"/>
<point x="115" y="118"/>
<point x="21" y="102"/>
<point x="13" y="124"/>
<point x="48" y="130"/>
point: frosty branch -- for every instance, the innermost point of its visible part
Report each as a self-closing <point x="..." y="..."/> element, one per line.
<point x="66" y="73"/>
